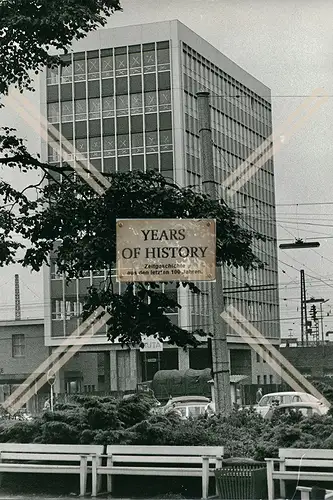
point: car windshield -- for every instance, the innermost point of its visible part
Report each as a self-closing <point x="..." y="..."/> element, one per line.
<point x="279" y="399"/>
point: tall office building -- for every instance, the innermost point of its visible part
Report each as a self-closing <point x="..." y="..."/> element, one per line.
<point x="127" y="101"/>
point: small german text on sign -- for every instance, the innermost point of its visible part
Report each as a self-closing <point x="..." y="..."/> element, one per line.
<point x="166" y="250"/>
<point x="151" y="344"/>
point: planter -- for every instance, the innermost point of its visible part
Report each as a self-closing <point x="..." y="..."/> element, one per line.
<point x="242" y="480"/>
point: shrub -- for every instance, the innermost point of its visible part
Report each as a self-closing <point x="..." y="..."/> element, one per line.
<point x="134" y="409"/>
<point x="103" y="417"/>
<point x="58" y="433"/>
<point x="19" y="432"/>
<point x="73" y="417"/>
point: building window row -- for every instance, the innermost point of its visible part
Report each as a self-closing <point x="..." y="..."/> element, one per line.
<point x="106" y="107"/>
<point x="106" y="63"/>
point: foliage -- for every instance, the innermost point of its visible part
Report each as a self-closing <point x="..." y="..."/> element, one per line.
<point x="243" y="434"/>
<point x="134" y="409"/>
<point x="69" y="213"/>
<point x="19" y="432"/>
<point x="54" y="432"/>
<point x="28" y="30"/>
<point x="83" y="224"/>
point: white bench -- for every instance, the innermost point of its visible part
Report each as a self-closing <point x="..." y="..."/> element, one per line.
<point x="199" y="461"/>
<point x="306" y="493"/>
<point x="301" y="459"/>
<point x="76" y="459"/>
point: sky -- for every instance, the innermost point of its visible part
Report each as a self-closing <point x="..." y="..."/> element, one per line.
<point x="288" y="45"/>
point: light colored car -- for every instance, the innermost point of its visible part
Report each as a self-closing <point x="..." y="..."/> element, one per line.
<point x="307" y="409"/>
<point x="279" y="398"/>
<point x="188" y="406"/>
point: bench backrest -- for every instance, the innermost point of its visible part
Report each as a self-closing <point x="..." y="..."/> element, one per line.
<point x="52" y="452"/>
<point x="304" y="457"/>
<point x="163" y="454"/>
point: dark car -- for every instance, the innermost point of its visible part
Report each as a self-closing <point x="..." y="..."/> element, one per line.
<point x="307" y="409"/>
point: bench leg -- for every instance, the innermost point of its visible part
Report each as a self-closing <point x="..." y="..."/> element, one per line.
<point x="270" y="481"/>
<point x="109" y="477"/>
<point x="205" y="477"/>
<point x="94" y="476"/>
<point x="83" y="475"/>
<point x="218" y="466"/>
<point x="282" y="481"/>
<point x="99" y="477"/>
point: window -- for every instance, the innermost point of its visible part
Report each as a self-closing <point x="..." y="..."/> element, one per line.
<point x="94" y="108"/>
<point x="163" y="58"/>
<point x="135" y="60"/>
<point x="18" y="345"/>
<point x="151" y="142"/>
<point x="271" y="379"/>
<point x="107" y="66"/>
<point x="149" y="61"/>
<point x="53" y="112"/>
<point x="258" y="379"/>
<point x="108" y="107"/>
<point x="81" y="148"/>
<point x="137" y="143"/>
<point x="166" y="140"/>
<point x="93" y="68"/>
<point x="80" y="109"/>
<point x="265" y="379"/>
<point x="109" y="145"/>
<point x="136" y="104"/>
<point x="66" y="74"/>
<point x="95" y="147"/>
<point x="52" y="76"/>
<point x="53" y="152"/>
<point x="150" y="102"/>
<point x="121" y="61"/>
<point x="164" y="98"/>
<point x="67" y="111"/>
<point x="123" y="144"/>
<point x="79" y="70"/>
<point x="258" y="357"/>
<point x="122" y="105"/>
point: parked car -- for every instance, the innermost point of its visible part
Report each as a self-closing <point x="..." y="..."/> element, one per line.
<point x="307" y="409"/>
<point x="188" y="406"/>
<point x="281" y="398"/>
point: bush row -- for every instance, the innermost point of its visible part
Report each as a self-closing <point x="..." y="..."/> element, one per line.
<point x="92" y="420"/>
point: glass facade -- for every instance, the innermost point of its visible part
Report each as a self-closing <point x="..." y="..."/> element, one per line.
<point x="241" y="121"/>
<point x="116" y="106"/>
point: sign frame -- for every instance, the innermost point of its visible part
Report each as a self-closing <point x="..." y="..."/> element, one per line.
<point x="166" y="250"/>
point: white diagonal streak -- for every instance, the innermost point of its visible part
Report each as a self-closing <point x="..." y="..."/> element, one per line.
<point x="40" y="124"/>
<point x="73" y="339"/>
<point x="84" y="339"/>
<point x="245" y="328"/>
<point x="257" y="348"/>
<point x="265" y="151"/>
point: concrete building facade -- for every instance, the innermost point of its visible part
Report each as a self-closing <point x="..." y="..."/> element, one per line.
<point x="127" y="101"/>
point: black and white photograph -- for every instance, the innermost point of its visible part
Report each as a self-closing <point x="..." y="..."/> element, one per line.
<point x="166" y="249"/>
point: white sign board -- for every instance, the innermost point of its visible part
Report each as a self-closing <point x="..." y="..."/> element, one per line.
<point x="166" y="250"/>
<point x="51" y="377"/>
<point x="151" y="344"/>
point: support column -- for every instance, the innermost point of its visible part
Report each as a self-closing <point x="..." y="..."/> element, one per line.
<point x="132" y="383"/>
<point x="113" y="370"/>
<point x="107" y="374"/>
<point x="183" y="359"/>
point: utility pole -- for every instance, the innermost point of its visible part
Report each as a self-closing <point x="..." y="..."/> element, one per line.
<point x="321" y="301"/>
<point x="220" y="353"/>
<point x="304" y="319"/>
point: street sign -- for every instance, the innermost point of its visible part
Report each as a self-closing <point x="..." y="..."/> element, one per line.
<point x="51" y="377"/>
<point x="166" y="250"/>
<point x="151" y="344"/>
